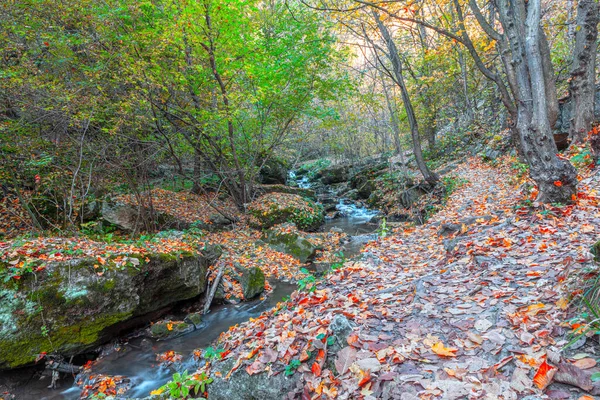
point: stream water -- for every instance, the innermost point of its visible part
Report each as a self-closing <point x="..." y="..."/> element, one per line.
<point x="136" y="359"/>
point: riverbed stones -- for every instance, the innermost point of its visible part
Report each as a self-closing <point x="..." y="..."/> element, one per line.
<point x="70" y="307"/>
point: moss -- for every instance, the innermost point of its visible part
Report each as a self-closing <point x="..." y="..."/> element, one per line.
<point x="16" y="352"/>
<point x="595" y="250"/>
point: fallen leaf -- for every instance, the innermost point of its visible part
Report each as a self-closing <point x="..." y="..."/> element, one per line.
<point x="543" y="376"/>
<point x="441" y="350"/>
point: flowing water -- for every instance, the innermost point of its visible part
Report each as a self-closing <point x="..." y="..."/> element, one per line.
<point x="136" y="359"/>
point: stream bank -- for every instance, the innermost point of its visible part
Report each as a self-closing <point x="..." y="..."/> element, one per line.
<point x="135" y="356"/>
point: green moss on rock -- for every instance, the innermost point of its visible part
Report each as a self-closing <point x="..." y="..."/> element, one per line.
<point x="595" y="250"/>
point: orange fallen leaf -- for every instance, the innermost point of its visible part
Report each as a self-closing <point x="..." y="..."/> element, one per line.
<point x="441" y="350"/>
<point x="316" y="369"/>
<point x="543" y="376"/>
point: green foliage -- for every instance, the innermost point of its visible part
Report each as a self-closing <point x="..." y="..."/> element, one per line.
<point x="383" y="229"/>
<point x="213" y="354"/>
<point x="521" y="169"/>
<point x="341" y="260"/>
<point x="582" y="159"/>
<point x="292" y="367"/>
<point x="452" y="183"/>
<point x="183" y="384"/>
<point x="308" y="283"/>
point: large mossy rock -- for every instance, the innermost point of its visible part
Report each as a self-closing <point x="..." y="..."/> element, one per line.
<point x="276" y="208"/>
<point x="130" y="218"/>
<point x="273" y="171"/>
<point x="72" y="306"/>
<point x="335" y="174"/>
<point x="364" y="180"/>
<point x="286" y="238"/>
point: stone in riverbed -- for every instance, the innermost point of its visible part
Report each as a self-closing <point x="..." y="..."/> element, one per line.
<point x="168" y="329"/>
<point x="253" y="282"/>
<point x="286" y="238"/>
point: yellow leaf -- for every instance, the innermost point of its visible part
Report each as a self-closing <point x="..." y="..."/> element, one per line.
<point x="563" y="303"/>
<point x="157" y="392"/>
<point x="444" y="351"/>
<point x="535" y="308"/>
<point x="170" y="326"/>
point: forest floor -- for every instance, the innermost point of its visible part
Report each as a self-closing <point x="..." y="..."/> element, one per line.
<point x="476" y="303"/>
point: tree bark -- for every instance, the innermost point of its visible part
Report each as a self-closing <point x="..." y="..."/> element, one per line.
<point x="429" y="176"/>
<point x="555" y="177"/>
<point x="583" y="68"/>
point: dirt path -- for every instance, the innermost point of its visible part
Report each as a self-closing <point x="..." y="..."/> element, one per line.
<point x="470" y="305"/>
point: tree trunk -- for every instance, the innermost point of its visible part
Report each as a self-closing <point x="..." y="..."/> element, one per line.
<point x="556" y="177"/>
<point x="582" y="84"/>
<point x="393" y="116"/>
<point x="429" y="176"/>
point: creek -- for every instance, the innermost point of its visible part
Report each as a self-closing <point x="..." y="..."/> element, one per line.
<point x="136" y="358"/>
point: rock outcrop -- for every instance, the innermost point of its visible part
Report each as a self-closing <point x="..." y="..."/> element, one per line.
<point x="70" y="307"/>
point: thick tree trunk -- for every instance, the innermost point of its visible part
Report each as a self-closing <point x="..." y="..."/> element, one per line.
<point x="429" y="176"/>
<point x="582" y="84"/>
<point x="556" y="177"/>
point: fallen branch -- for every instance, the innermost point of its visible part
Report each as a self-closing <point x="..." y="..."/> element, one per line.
<point x="211" y="293"/>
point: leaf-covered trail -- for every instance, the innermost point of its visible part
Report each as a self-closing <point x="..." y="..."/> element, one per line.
<point x="469" y="305"/>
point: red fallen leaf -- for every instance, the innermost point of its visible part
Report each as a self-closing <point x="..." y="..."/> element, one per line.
<point x="17" y="277"/>
<point x="543" y="376"/>
<point x="320" y="356"/>
<point x="316" y="369"/>
<point x="558" y="183"/>
<point x="225" y="354"/>
<point x="366" y="379"/>
<point x="40" y="356"/>
<point x="46" y="44"/>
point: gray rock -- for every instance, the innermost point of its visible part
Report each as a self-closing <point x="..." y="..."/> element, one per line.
<point x="291" y="243"/>
<point x="122" y="215"/>
<point x="241" y="386"/>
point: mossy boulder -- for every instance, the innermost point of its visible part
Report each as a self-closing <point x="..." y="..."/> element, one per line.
<point x="253" y="282"/>
<point x="595" y="250"/>
<point x="335" y="174"/>
<point x="70" y="307"/>
<point x="287" y="239"/>
<point x="276" y="208"/>
<point x="272" y="171"/>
